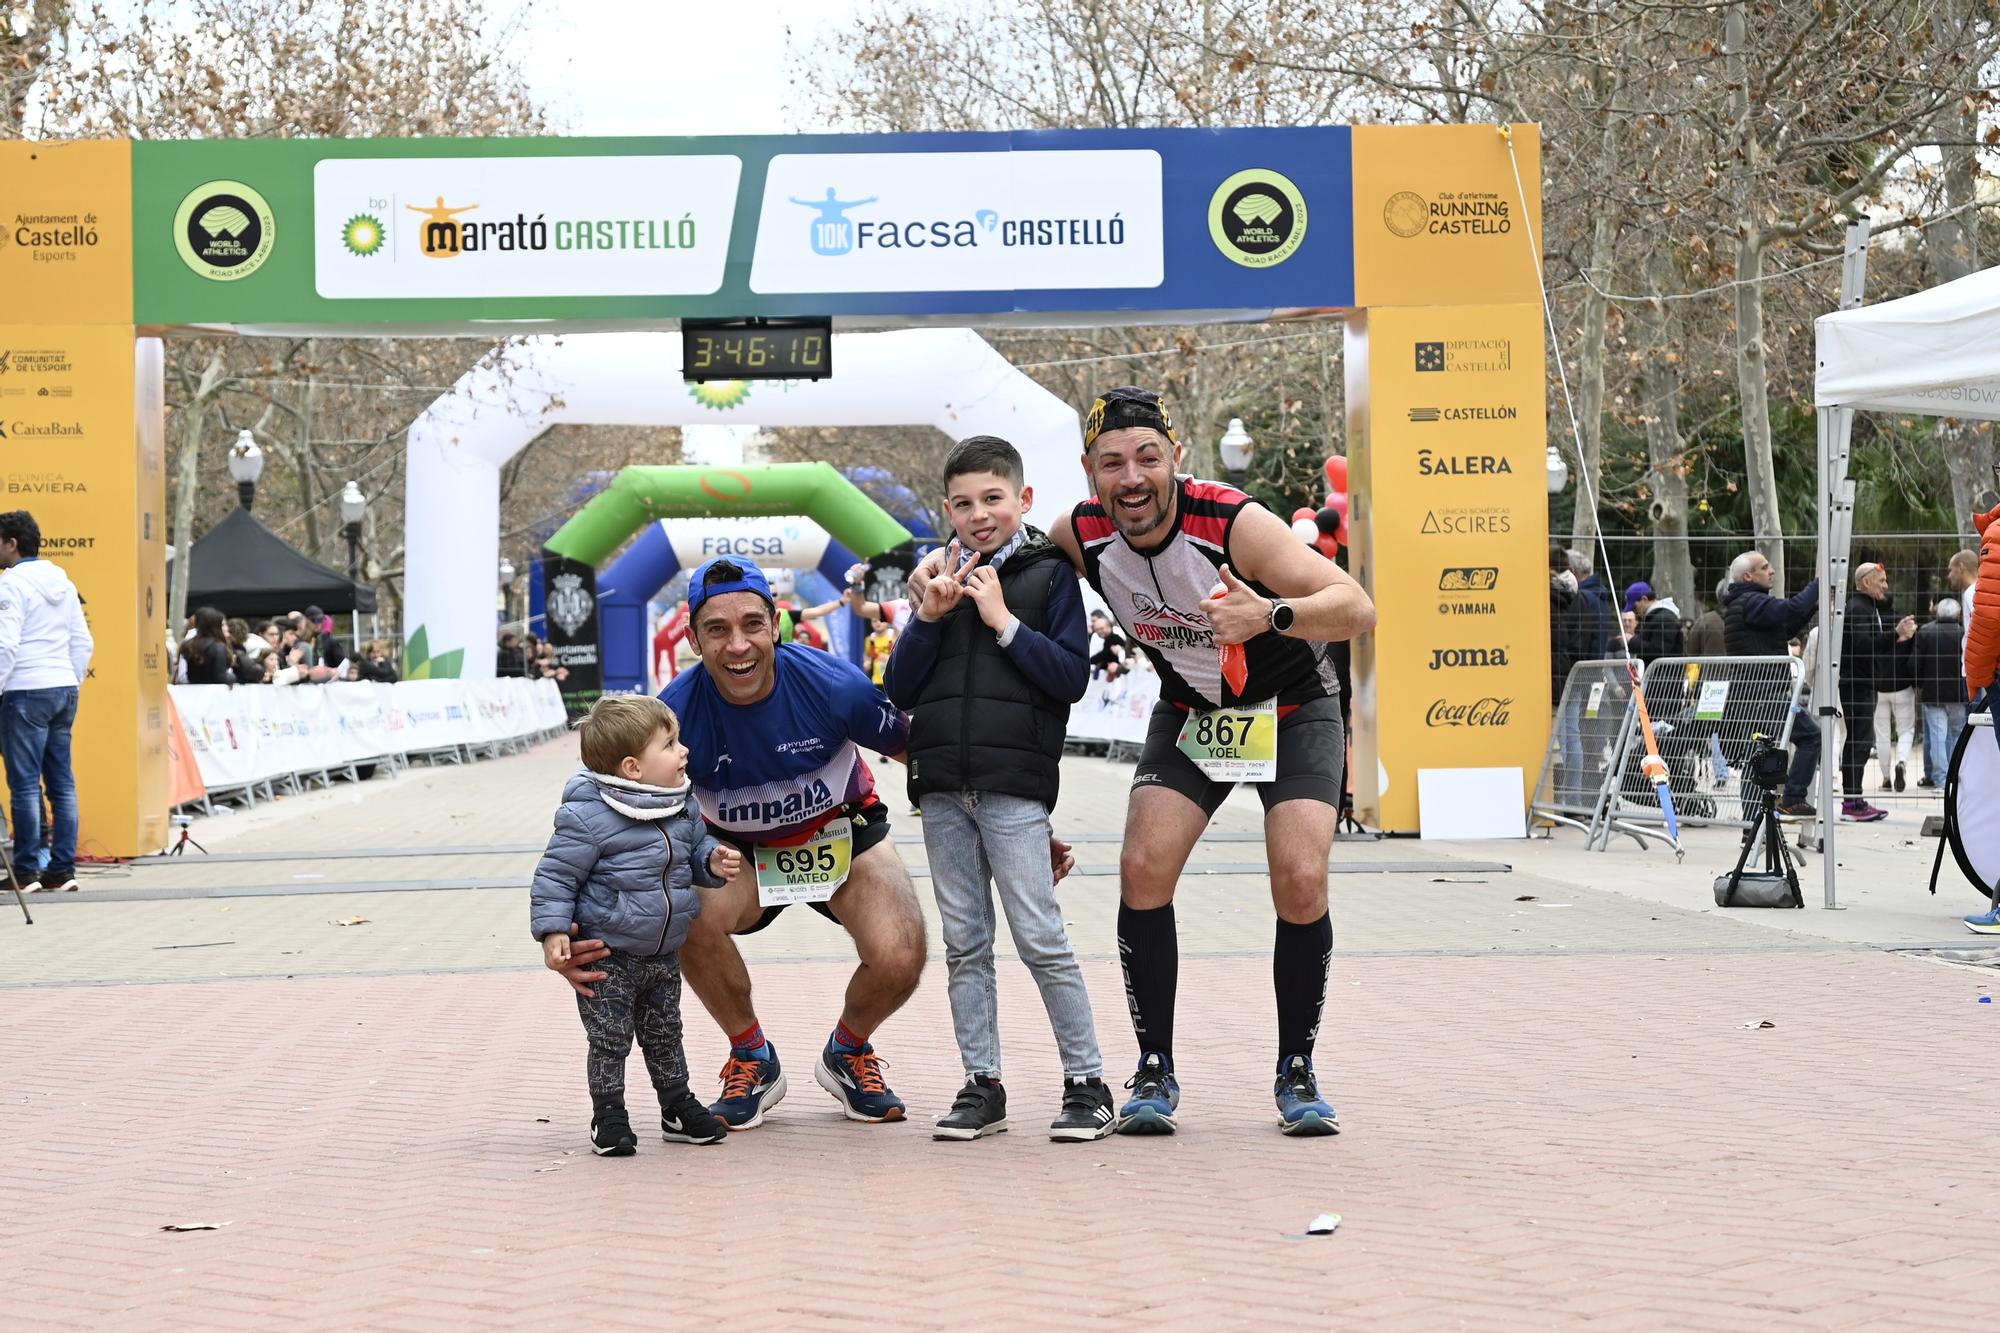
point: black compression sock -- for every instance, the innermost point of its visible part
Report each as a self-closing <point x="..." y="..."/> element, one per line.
<point x="1149" y="949"/>
<point x="1299" y="964"/>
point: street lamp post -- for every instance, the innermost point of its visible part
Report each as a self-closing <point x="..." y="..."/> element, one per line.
<point x="1235" y="448"/>
<point x="1558" y="471"/>
<point x="246" y="465"/>
<point x="353" y="508"/>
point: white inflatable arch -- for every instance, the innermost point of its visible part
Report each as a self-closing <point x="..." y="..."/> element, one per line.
<point x="947" y="378"/>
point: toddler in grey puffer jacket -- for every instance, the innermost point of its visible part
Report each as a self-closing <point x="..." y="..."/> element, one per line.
<point x="622" y="867"/>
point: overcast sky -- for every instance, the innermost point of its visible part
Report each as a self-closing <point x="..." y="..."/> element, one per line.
<point x="685" y="67"/>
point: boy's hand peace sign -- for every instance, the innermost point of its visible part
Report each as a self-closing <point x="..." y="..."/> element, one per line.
<point x="944" y="590"/>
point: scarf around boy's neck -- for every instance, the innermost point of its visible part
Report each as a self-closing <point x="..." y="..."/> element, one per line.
<point x="639" y="800"/>
<point x="1013" y="544"/>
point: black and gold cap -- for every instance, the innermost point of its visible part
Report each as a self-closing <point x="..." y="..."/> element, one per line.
<point x="1129" y="405"/>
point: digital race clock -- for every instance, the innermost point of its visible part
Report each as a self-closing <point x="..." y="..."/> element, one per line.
<point x="756" y="349"/>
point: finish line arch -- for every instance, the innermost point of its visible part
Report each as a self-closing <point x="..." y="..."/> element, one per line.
<point x="1424" y="239"/>
<point x="951" y="379"/>
<point x="643" y="497"/>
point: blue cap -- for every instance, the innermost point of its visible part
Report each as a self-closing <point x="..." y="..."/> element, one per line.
<point x="699" y="591"/>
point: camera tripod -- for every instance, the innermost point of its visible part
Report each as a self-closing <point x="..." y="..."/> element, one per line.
<point x="1779" y="859"/>
<point x="187" y="839"/>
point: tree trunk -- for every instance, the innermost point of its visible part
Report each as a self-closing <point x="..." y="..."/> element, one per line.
<point x="1673" y="570"/>
<point x="1753" y="400"/>
<point x="1752" y="395"/>
<point x="1953" y="246"/>
<point x="1590" y="350"/>
<point x="187" y="478"/>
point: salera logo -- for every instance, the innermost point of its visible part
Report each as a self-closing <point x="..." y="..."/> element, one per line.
<point x="224" y="230"/>
<point x="1467" y="657"/>
<point x="1257" y="218"/>
<point x="1487" y="711"/>
<point x="1430" y="464"/>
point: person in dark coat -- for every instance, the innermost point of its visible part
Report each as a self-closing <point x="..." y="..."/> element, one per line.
<point x="1604" y="636"/>
<point x="1938" y="660"/>
<point x="209" y="660"/>
<point x="1756" y="622"/>
<point x="1705" y="637"/>
<point x="1659" y="633"/>
<point x="1869" y="644"/>
<point x="1572" y="633"/>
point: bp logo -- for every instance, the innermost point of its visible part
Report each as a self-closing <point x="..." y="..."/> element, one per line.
<point x="1405" y="214"/>
<point x="224" y="230"/>
<point x="1257" y="218"/>
<point x="570" y="603"/>
<point x="363" y="235"/>
<point x="720" y="395"/>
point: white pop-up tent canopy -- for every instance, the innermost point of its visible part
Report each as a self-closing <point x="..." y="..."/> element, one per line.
<point x="1936" y="353"/>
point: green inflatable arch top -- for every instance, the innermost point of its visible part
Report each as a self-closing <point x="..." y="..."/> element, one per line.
<point x="641" y="495"/>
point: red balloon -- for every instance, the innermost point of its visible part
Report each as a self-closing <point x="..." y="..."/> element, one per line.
<point x="1342" y="534"/>
<point x="1329" y="545"/>
<point x="1303" y="511"/>
<point x="1336" y="472"/>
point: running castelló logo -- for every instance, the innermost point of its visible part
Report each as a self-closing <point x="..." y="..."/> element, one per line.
<point x="831" y="232"/>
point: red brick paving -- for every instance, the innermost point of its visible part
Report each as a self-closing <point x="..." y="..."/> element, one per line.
<point x="1532" y="1142"/>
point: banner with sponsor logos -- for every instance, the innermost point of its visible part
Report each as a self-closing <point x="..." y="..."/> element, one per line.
<point x="256" y="733"/>
<point x="1115" y="710"/>
<point x="81" y="449"/>
<point x="1448" y="474"/>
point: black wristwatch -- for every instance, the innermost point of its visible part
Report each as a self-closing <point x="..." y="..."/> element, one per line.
<point x="1282" y="615"/>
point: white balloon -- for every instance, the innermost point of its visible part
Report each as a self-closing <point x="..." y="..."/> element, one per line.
<point x="1306" y="531"/>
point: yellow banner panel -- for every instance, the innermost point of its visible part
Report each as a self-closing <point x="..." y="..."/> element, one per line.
<point x="66" y="233"/>
<point x="83" y="453"/>
<point x="1450" y="481"/>
<point x="1438" y="215"/>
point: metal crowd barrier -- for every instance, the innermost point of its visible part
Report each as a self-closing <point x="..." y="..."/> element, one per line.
<point x="1706" y="713"/>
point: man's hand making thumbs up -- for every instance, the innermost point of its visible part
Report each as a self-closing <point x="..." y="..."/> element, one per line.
<point x="1239" y="612"/>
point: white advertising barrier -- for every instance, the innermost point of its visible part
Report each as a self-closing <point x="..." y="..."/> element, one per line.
<point x="254" y="733"/>
<point x="1115" y="710"/>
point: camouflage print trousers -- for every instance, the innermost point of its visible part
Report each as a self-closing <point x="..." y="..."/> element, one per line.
<point x="642" y="997"/>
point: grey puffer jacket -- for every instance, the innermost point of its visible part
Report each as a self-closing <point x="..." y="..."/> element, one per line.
<point x="622" y="864"/>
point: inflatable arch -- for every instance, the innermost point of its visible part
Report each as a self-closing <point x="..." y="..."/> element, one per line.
<point x="947" y="378"/>
<point x="849" y="526"/>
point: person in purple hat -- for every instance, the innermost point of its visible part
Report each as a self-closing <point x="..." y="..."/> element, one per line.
<point x="1659" y="632"/>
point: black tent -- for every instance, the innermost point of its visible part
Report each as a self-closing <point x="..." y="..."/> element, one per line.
<point x="242" y="568"/>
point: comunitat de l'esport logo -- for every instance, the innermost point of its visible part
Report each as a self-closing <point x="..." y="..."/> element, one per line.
<point x="1466" y="213"/>
<point x="224" y="230"/>
<point x="1257" y="218"/>
<point x="830" y="232"/>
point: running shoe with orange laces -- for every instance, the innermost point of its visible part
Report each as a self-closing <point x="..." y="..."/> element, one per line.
<point x="854" y="1077"/>
<point x="751" y="1085"/>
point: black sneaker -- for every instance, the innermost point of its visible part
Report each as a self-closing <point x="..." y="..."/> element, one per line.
<point x="979" y="1109"/>
<point x="1086" y="1111"/>
<point x="1798" y="809"/>
<point x="611" y="1132"/>
<point x="686" y="1120"/>
<point x="1899" y="777"/>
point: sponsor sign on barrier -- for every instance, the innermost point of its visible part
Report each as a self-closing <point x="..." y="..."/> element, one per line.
<point x="1115" y="710"/>
<point x="259" y="732"/>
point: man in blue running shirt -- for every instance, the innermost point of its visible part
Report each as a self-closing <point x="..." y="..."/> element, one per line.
<point x="775" y="736"/>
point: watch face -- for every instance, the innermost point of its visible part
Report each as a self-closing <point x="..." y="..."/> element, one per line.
<point x="1281" y="616"/>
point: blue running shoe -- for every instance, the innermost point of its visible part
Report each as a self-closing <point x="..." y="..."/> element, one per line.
<point x="855" y="1080"/>
<point x="1986" y="923"/>
<point x="750" y="1087"/>
<point x="1155" y="1096"/>
<point x="1301" y="1110"/>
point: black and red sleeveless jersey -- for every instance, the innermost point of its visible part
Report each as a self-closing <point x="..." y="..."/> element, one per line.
<point x="1157" y="594"/>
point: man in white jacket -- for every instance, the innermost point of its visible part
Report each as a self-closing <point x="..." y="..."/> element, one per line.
<point x="44" y="653"/>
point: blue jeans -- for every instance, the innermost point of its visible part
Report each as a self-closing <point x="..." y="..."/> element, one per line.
<point x="979" y="841"/>
<point x="34" y="736"/>
<point x="1573" y="787"/>
<point x="1942" y="723"/>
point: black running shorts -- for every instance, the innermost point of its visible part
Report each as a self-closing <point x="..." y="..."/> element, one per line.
<point x="871" y="826"/>
<point x="1312" y="758"/>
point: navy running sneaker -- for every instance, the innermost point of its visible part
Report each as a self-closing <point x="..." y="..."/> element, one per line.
<point x="1301" y="1110"/>
<point x="855" y="1080"/>
<point x="750" y="1087"/>
<point x="1155" y="1096"/>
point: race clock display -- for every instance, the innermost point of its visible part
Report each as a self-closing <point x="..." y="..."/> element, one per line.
<point x="756" y="349"/>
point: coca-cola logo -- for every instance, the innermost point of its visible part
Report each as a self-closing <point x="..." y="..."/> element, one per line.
<point x="1486" y="711"/>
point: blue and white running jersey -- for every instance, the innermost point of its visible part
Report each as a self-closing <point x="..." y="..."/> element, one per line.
<point x="773" y="772"/>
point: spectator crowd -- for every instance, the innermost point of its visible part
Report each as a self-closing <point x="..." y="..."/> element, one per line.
<point x="300" y="649"/>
